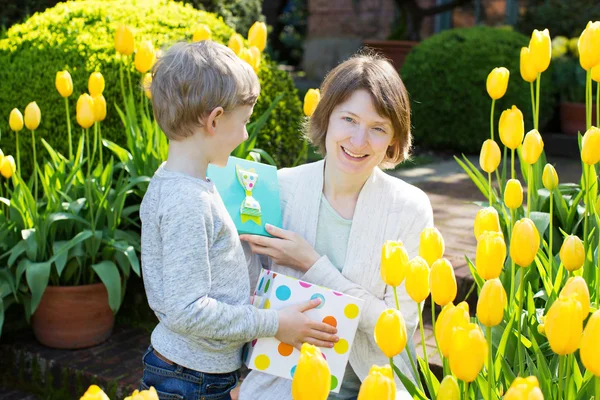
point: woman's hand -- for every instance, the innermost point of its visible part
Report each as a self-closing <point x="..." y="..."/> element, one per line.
<point x="285" y="248"/>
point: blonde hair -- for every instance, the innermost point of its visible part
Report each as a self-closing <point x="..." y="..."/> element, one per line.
<point x="192" y="79"/>
<point x="373" y="73"/>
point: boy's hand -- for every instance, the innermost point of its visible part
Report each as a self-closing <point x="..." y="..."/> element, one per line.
<point x="296" y="328"/>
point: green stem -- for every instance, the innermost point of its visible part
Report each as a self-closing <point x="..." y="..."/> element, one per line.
<point x="437" y="345"/>
<point x="586" y="178"/>
<point x="490" y="188"/>
<point x="35" y="179"/>
<point x="512" y="261"/>
<point x="410" y="357"/>
<point x="18" y="154"/>
<point x="100" y="145"/>
<point x="550" y="254"/>
<point x="69" y="128"/>
<point x="95" y="143"/>
<point x="512" y="163"/>
<point x="129" y="79"/>
<point x="561" y="362"/>
<point x="89" y="154"/>
<point x="122" y="85"/>
<point x="521" y="296"/>
<point x="466" y="390"/>
<point x="532" y="102"/>
<point x="597" y="381"/>
<point x="492" y="119"/>
<point x="537" y="102"/>
<point x="490" y="363"/>
<point x="529" y="188"/>
<point x="588" y="99"/>
<point x="568" y="377"/>
<point x="396" y="298"/>
<point x="426" y="372"/>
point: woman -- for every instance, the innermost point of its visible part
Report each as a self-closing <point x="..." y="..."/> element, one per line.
<point x="337" y="213"/>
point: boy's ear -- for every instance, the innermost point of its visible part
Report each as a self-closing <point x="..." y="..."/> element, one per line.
<point x="213" y="119"/>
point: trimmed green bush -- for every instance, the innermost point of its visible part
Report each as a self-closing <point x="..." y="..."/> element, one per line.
<point x="445" y="76"/>
<point x="79" y="37"/>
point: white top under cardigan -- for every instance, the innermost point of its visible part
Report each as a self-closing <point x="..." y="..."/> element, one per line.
<point x="387" y="209"/>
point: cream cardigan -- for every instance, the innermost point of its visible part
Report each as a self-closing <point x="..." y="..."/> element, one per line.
<point x="387" y="209"/>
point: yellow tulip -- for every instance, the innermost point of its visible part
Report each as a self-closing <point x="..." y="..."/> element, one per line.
<point x="202" y="33"/>
<point x="524" y="389"/>
<point x="124" y="41"/>
<point x="257" y="35"/>
<point x="572" y="253"/>
<point x="394" y="263"/>
<point x="450" y="318"/>
<point x="7" y="166"/>
<point x="312" y="379"/>
<point x="577" y="285"/>
<point x="146" y="84"/>
<point x="245" y="55"/>
<point x="33" y="116"/>
<point x="255" y="58"/>
<point x="236" y="43"/>
<point x="390" y="332"/>
<point x="442" y="282"/>
<point x="524" y="243"/>
<point x="85" y="111"/>
<point x="94" y="393"/>
<point x="15" y="120"/>
<point x="590" y="146"/>
<point x="64" y="83"/>
<point x="311" y="100"/>
<point x="497" y="82"/>
<point x="491" y="254"/>
<point x="550" y="177"/>
<point x="417" y="279"/>
<point x="378" y="385"/>
<point x="491" y="303"/>
<point x="540" y="47"/>
<point x="596" y="73"/>
<point x="431" y="245"/>
<point x="560" y="46"/>
<point x="96" y="84"/>
<point x="490" y="156"/>
<point x="590" y="345"/>
<point x="99" y="108"/>
<point x="588" y="45"/>
<point x="533" y="145"/>
<point x="145" y="57"/>
<point x="527" y="68"/>
<point x="574" y="46"/>
<point x="486" y="220"/>
<point x="513" y="194"/>
<point x="448" y="389"/>
<point x="149" y="394"/>
<point x="511" y="127"/>
<point x="564" y="325"/>
<point x="468" y="352"/>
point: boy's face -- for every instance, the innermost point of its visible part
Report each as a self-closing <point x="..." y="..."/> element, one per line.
<point x="231" y="131"/>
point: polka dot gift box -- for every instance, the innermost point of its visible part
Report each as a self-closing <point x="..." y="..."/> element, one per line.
<point x="250" y="192"/>
<point x="278" y="291"/>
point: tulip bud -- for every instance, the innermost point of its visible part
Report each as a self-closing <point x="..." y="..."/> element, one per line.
<point x="15" y="120"/>
<point x="590" y="146"/>
<point x="442" y="282"/>
<point x="64" y="83"/>
<point x="431" y="245"/>
<point x="550" y="177"/>
<point x="577" y="286"/>
<point x="564" y="325"/>
<point x="491" y="254"/>
<point x="99" y="108"/>
<point x="394" y="263"/>
<point x="524" y="243"/>
<point x="311" y="100"/>
<point x="147" y="84"/>
<point x="448" y="389"/>
<point x="246" y="56"/>
<point x="312" y="378"/>
<point x="94" y="393"/>
<point x="417" y="279"/>
<point x="236" y="43"/>
<point x="379" y="384"/>
<point x="540" y="47"/>
<point x="449" y="319"/>
<point x="511" y="127"/>
<point x="572" y="253"/>
<point x="574" y="46"/>
<point x="560" y="46"/>
<point x="486" y="220"/>
<point x="528" y="72"/>
<point x="124" y="41"/>
<point x="85" y="111"/>
<point x="202" y="33"/>
<point x="490" y="156"/>
<point x="533" y="145"/>
<point x="513" y="194"/>
<point x="491" y="303"/>
<point x="145" y="57"/>
<point x="497" y="82"/>
<point x="468" y="352"/>
<point x="590" y="345"/>
<point x="33" y="116"/>
<point x="588" y="46"/>
<point x="257" y="35"/>
<point x="7" y="166"/>
<point x="524" y="389"/>
<point x="96" y="84"/>
<point x="390" y="332"/>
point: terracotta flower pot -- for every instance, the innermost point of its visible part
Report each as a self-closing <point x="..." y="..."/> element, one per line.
<point x="572" y="117"/>
<point x="73" y="317"/>
<point x="395" y="50"/>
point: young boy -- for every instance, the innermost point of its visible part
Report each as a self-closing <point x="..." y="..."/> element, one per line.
<point x="194" y="268"/>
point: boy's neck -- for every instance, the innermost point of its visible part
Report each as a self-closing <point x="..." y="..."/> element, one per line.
<point x="187" y="158"/>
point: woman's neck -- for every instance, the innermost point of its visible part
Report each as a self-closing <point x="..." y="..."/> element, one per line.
<point x="342" y="190"/>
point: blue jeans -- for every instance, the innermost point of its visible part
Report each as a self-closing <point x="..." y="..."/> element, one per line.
<point x="174" y="382"/>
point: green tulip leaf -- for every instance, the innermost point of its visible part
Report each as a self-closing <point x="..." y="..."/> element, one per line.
<point x="16" y="251"/>
<point x="61" y="260"/>
<point x="31" y="244"/>
<point x="109" y="275"/>
<point x="37" y="275"/>
<point x="409" y="385"/>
